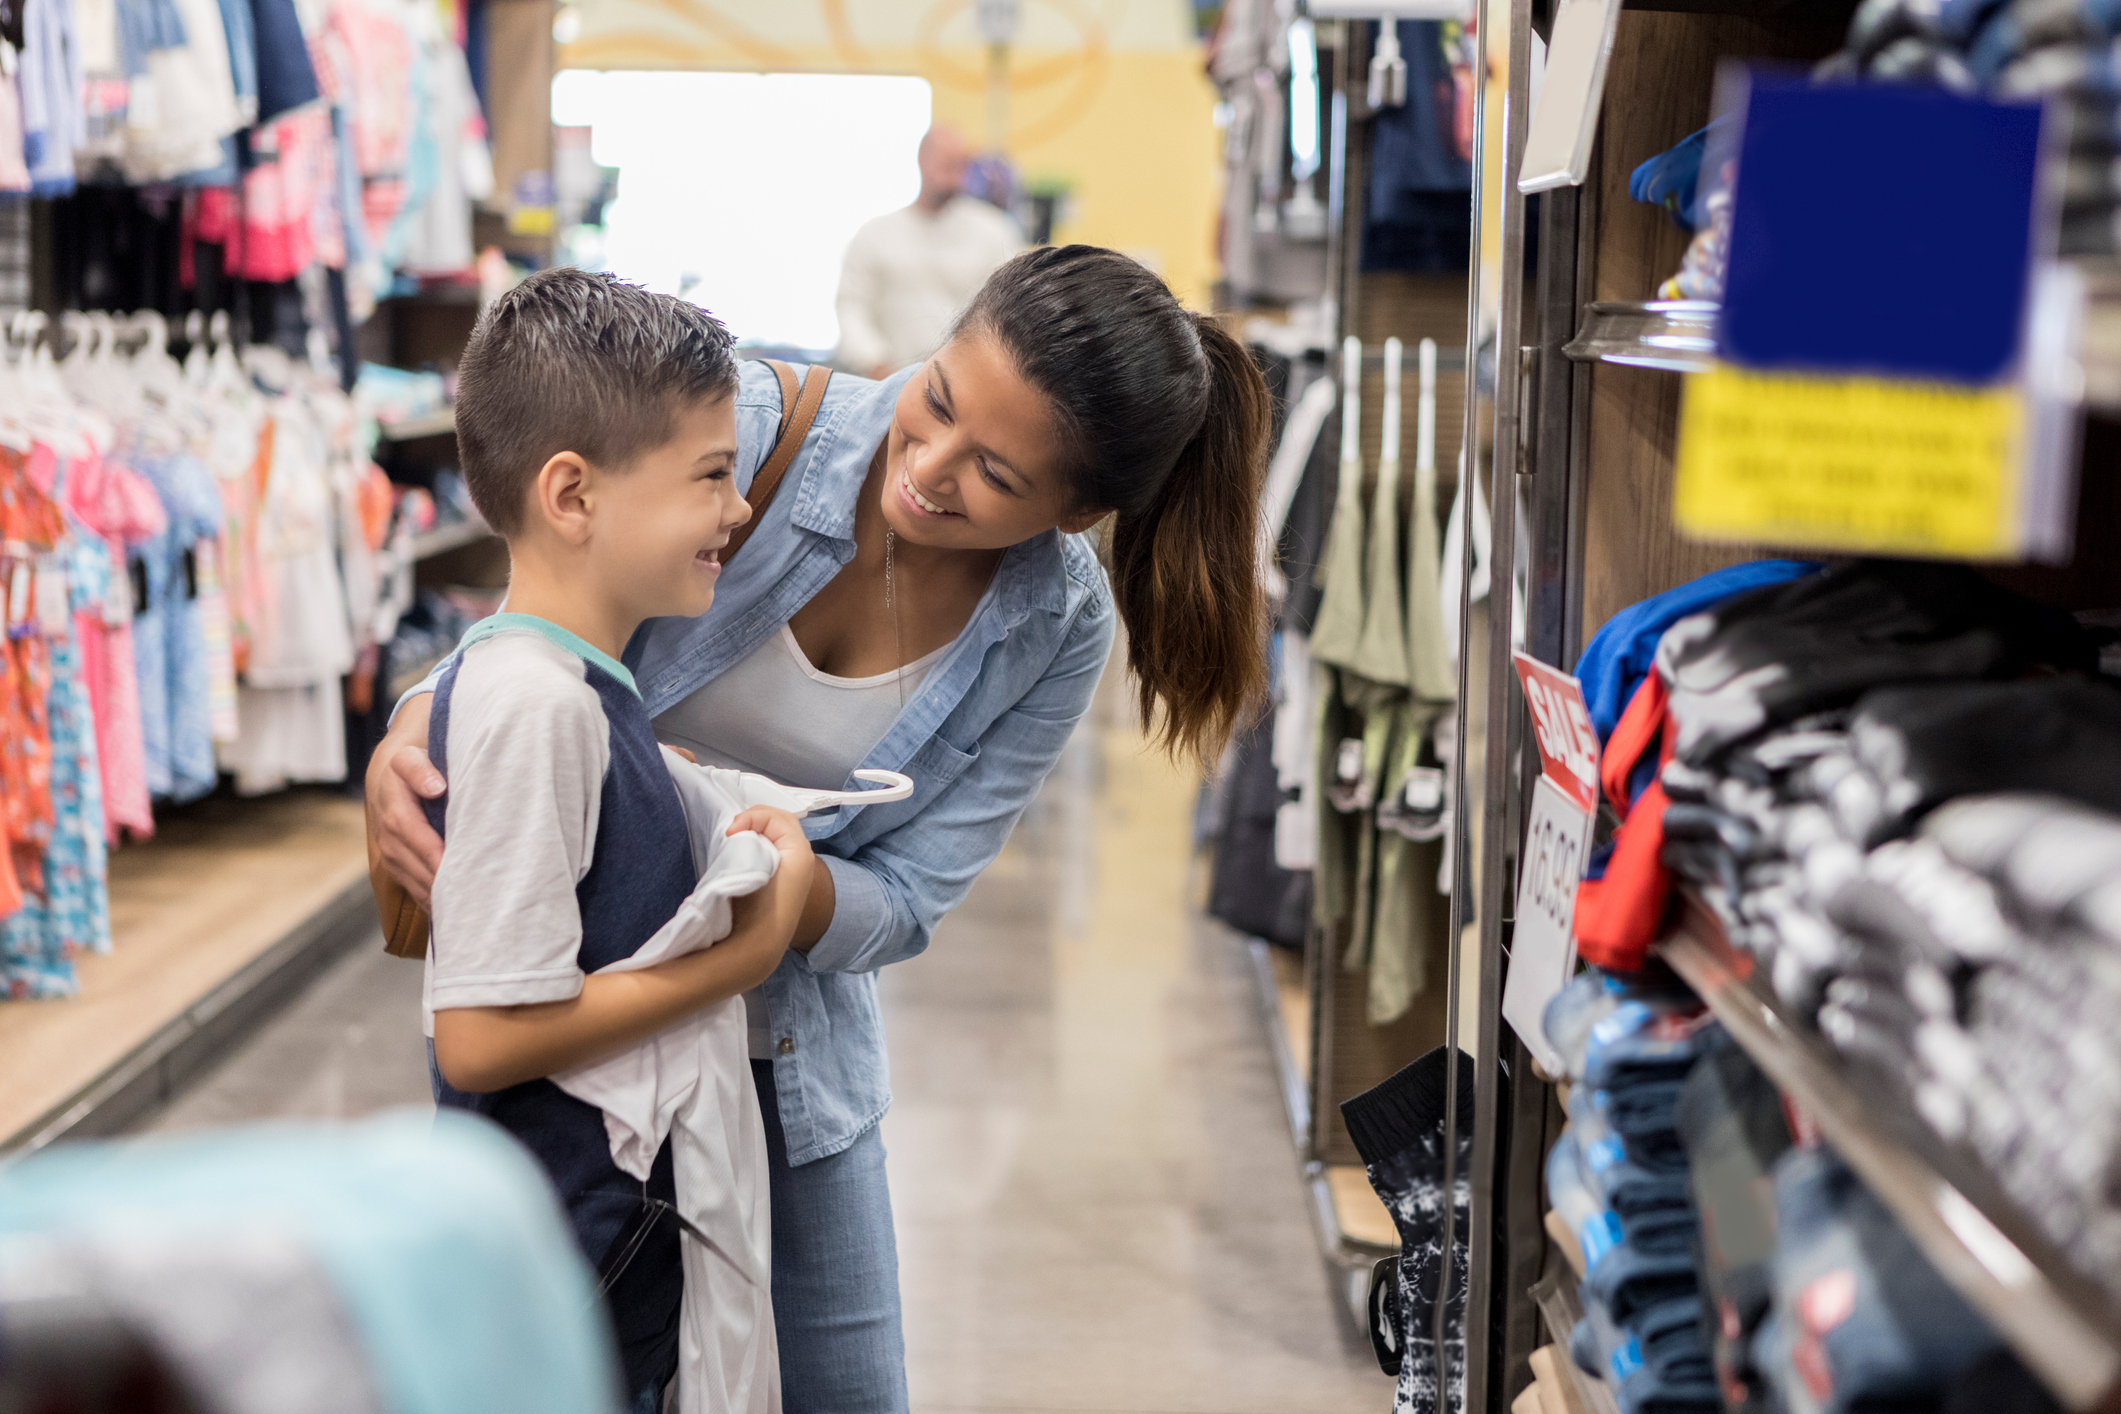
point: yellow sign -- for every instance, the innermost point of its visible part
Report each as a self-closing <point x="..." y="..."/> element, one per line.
<point x="1847" y="463"/>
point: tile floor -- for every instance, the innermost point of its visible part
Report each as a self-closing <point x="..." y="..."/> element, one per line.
<point x="1097" y="1205"/>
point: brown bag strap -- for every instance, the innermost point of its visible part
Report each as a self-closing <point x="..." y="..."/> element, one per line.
<point x="798" y="413"/>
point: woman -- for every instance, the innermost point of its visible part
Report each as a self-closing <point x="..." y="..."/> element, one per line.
<point x="917" y="597"/>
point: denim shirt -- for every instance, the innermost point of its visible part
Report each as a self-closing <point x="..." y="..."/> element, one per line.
<point x="978" y="739"/>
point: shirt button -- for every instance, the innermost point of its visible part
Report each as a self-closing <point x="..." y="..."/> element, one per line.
<point x="787" y="1047"/>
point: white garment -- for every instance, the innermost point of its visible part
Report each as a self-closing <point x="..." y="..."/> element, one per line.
<point x="907" y="275"/>
<point x="180" y="109"/>
<point x="1296" y="756"/>
<point x="774" y="714"/>
<point x="440" y="242"/>
<point x="1454" y="544"/>
<point x="292" y="718"/>
<point x="1285" y="473"/>
<point x="691" y="1083"/>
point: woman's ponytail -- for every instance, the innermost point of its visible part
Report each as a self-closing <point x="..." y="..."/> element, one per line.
<point x="1185" y="569"/>
<point x="1165" y="419"/>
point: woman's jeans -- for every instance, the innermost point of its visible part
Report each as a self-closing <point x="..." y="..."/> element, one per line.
<point x="835" y="1275"/>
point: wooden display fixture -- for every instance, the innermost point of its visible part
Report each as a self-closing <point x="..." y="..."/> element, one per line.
<point x="1595" y="464"/>
<point x="228" y="909"/>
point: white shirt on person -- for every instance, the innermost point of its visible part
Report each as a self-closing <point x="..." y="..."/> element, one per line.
<point x="775" y="714"/>
<point x="908" y="273"/>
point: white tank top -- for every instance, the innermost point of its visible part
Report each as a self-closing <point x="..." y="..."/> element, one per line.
<point x="775" y="714"/>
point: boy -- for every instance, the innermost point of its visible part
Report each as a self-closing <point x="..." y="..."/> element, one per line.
<point x="596" y="425"/>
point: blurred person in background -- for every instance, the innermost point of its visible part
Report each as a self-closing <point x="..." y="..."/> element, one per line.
<point x="908" y="273"/>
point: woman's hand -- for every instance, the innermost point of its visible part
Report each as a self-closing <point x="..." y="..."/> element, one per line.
<point x="399" y="778"/>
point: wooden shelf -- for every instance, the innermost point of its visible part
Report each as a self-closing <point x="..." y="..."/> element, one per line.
<point x="1559" y="1308"/>
<point x="2066" y="1330"/>
<point x="442" y="423"/>
<point x="444" y="538"/>
<point x="200" y="916"/>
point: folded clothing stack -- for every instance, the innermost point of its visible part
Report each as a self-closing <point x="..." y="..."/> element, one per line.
<point x="1812" y="721"/>
<point x="2063" y="51"/>
<point x="1780" y="825"/>
<point x="1860" y="1320"/>
<point x="1987" y="971"/>
<point x="1618" y="1179"/>
<point x="2060" y="50"/>
<point x="1756" y="688"/>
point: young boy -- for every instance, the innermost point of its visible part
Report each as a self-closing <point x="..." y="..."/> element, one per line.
<point x="596" y="425"/>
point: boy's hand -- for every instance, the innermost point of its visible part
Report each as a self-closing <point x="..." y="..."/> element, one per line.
<point x="766" y="921"/>
<point x="785" y="833"/>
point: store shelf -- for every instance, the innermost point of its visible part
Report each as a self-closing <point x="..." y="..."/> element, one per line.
<point x="1676" y="335"/>
<point x="2064" y="1329"/>
<point x="230" y="909"/>
<point x="1556" y="1299"/>
<point x="444" y="538"/>
<point x="407" y="678"/>
<point x="1345" y="1210"/>
<point x="1679" y="336"/>
<point x="411" y="429"/>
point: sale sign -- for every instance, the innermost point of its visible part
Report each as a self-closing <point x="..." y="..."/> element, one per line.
<point x="1557" y="843"/>
<point x="1561" y="724"/>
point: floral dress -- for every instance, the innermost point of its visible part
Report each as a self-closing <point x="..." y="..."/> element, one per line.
<point x="39" y="941"/>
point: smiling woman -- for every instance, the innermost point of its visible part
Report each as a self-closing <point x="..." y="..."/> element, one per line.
<point x="918" y="597"/>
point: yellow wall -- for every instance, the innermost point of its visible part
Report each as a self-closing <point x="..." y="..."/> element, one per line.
<point x="1105" y="95"/>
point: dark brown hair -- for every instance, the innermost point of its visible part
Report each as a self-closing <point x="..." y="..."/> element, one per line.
<point x="577" y="361"/>
<point x="1164" y="419"/>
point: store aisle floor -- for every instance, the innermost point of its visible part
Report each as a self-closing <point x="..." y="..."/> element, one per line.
<point x="1097" y="1205"/>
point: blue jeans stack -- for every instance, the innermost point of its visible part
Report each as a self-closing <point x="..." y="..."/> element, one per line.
<point x="1618" y="1179"/>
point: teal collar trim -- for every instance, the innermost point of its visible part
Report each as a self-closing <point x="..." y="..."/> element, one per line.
<point x="494" y="625"/>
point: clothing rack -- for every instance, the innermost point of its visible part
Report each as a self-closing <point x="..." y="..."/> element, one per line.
<point x="1322" y="1035"/>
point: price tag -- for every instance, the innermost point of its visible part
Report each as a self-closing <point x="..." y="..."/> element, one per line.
<point x="1561" y="725"/>
<point x="1923" y="419"/>
<point x="1543" y="945"/>
<point x="1557" y="840"/>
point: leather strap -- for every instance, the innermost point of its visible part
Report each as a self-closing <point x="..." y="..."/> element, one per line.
<point x="405" y="923"/>
<point x="798" y="414"/>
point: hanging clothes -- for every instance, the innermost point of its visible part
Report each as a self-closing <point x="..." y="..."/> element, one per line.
<point x="52" y="118"/>
<point x="291" y="722"/>
<point x="46" y="931"/>
<point x="169" y="635"/>
<point x="121" y="510"/>
<point x="1419" y="215"/>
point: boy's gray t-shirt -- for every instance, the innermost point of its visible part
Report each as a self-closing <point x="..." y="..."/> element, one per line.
<point x="529" y="746"/>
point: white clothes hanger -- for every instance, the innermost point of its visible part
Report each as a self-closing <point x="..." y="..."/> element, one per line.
<point x="14" y="433"/>
<point x="195" y="358"/>
<point x="764" y="790"/>
<point x="49" y="412"/>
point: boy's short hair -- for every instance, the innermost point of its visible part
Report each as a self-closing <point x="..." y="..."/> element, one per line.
<point x="578" y="361"/>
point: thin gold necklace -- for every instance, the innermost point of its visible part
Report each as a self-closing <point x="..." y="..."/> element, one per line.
<point x="898" y="644"/>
